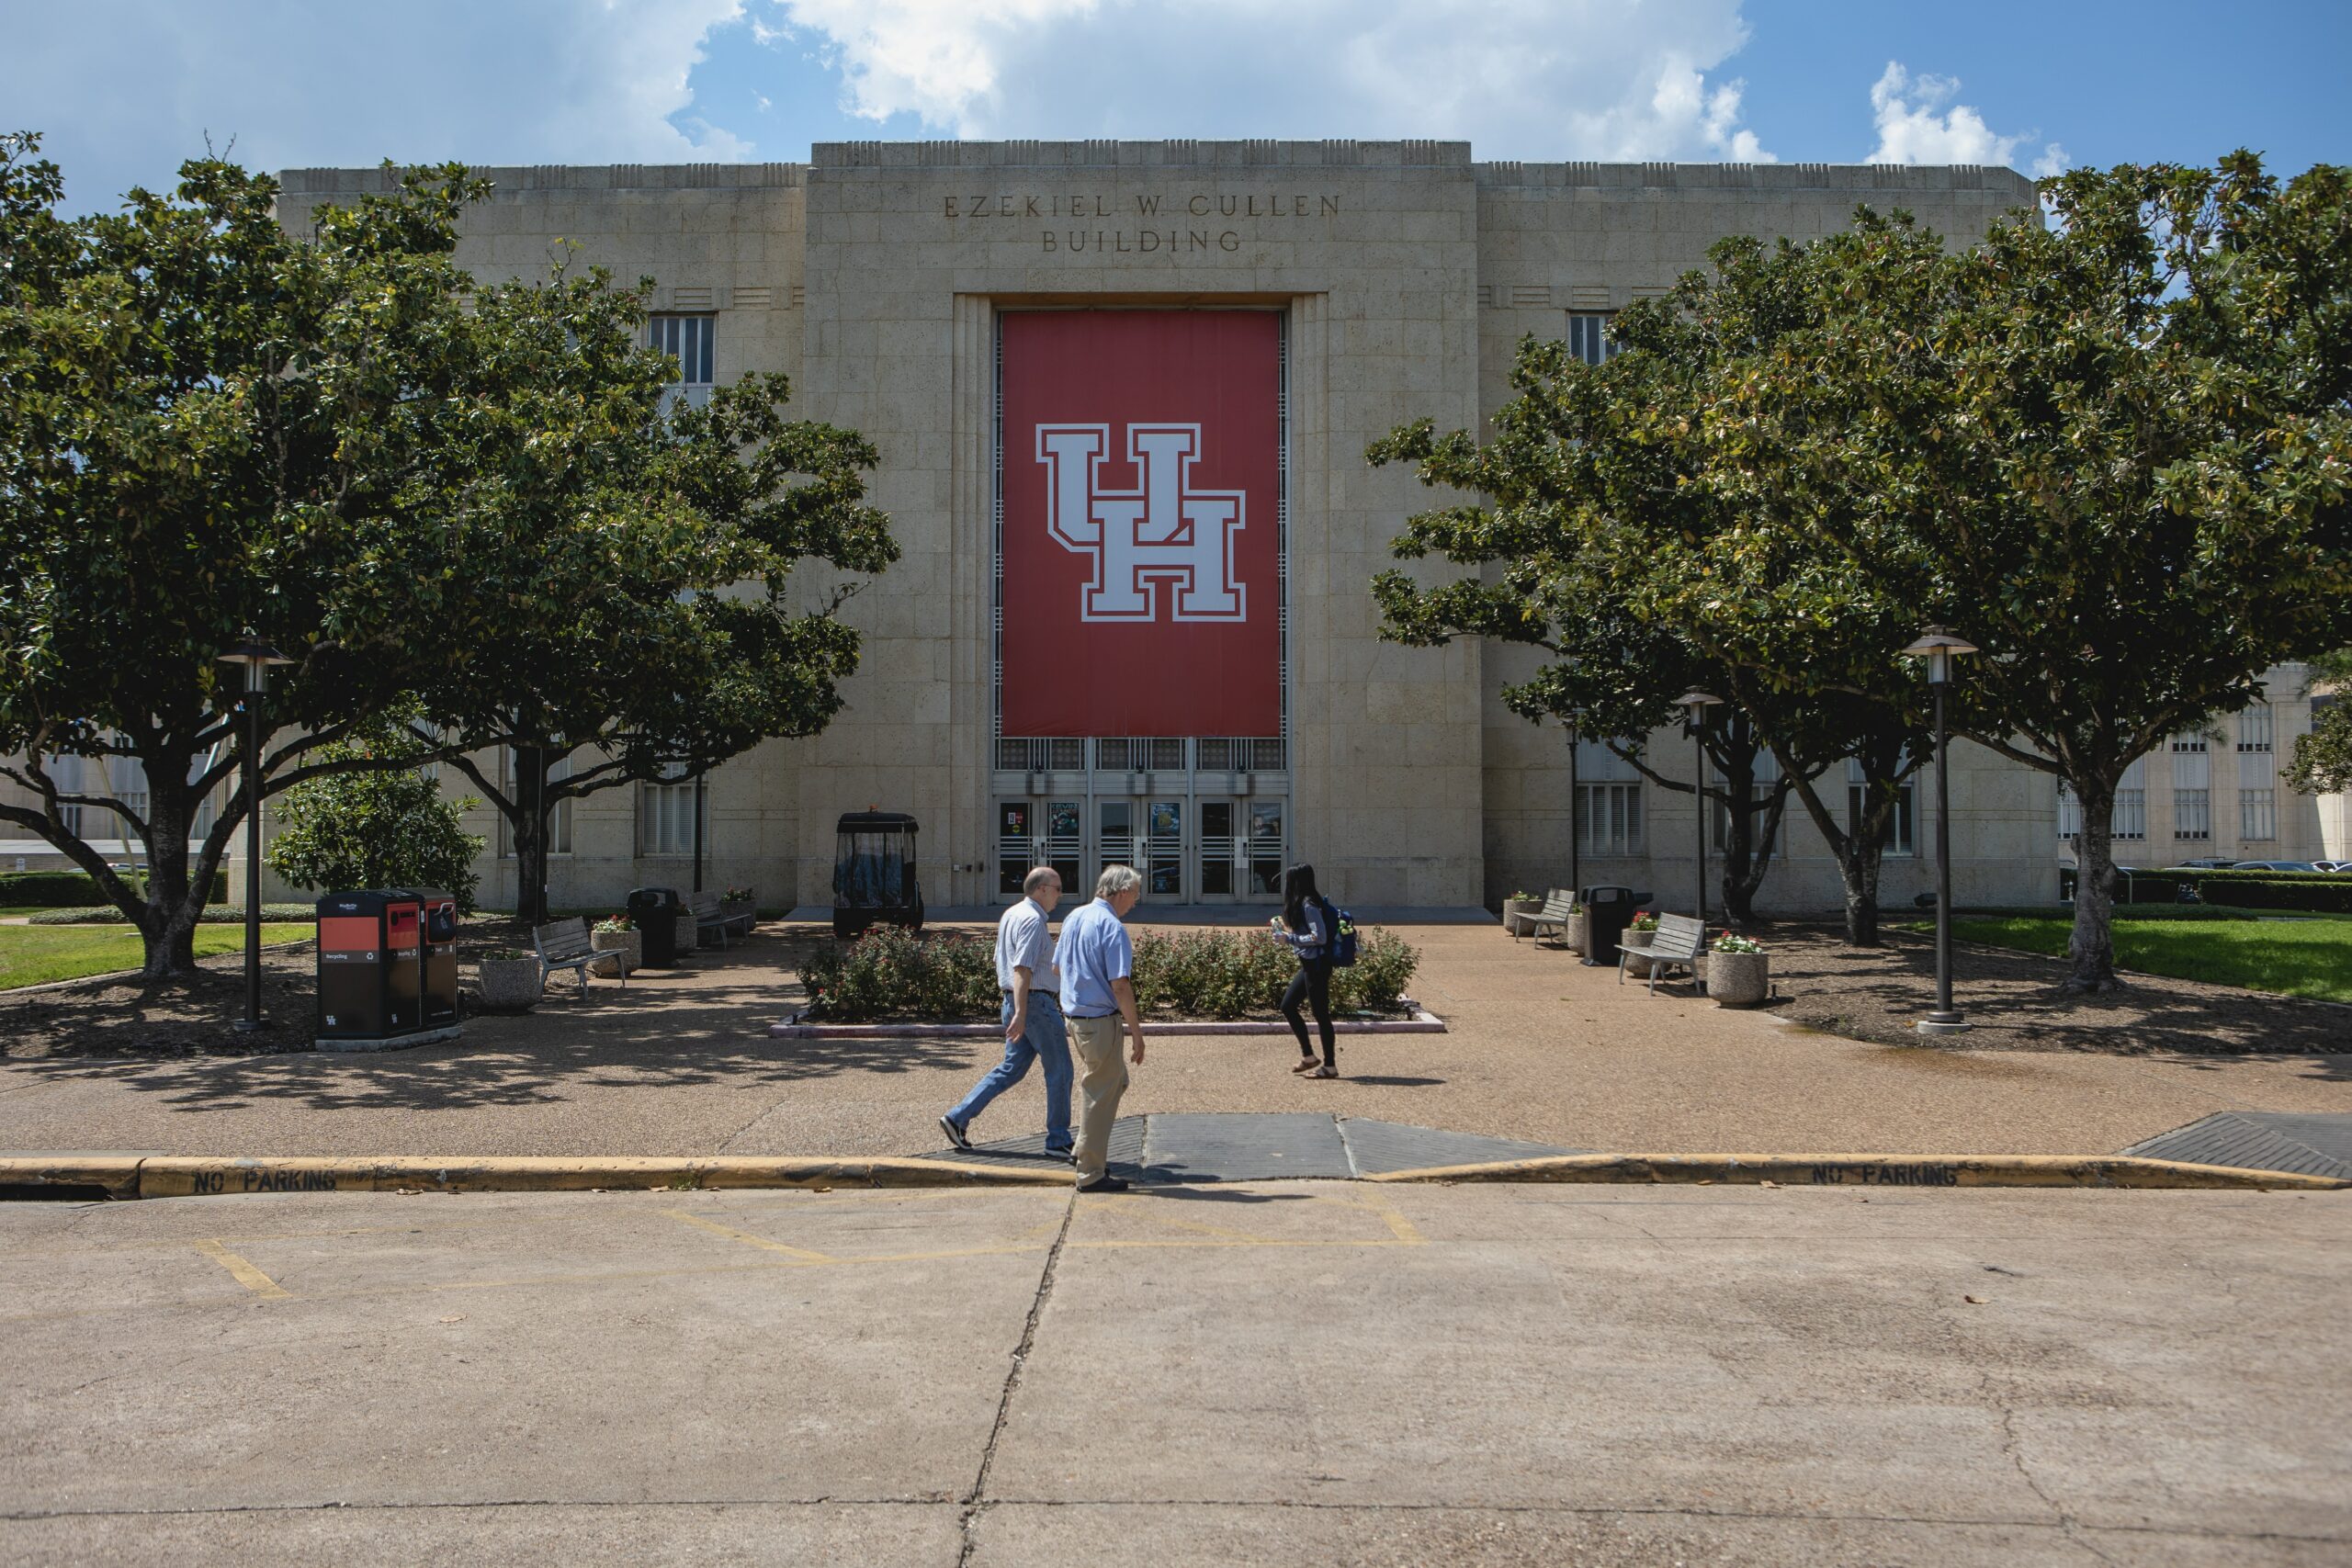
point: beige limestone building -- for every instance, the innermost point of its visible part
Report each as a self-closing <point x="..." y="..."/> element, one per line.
<point x="1391" y="280"/>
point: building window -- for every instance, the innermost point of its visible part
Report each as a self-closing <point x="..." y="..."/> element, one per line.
<point x="2128" y="821"/>
<point x="2254" y="730"/>
<point x="1589" y="338"/>
<point x="2192" y="788"/>
<point x="688" y="339"/>
<point x="2257" y="815"/>
<point x="1609" y="802"/>
<point x="1761" y="783"/>
<point x="559" y="816"/>
<point x="665" y="815"/>
<point x="1898" y="838"/>
<point x="1609" y="819"/>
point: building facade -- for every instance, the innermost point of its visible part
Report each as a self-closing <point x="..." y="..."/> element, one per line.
<point x="1122" y="392"/>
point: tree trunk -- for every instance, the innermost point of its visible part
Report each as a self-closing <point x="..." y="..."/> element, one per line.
<point x="2090" y="950"/>
<point x="1858" y="858"/>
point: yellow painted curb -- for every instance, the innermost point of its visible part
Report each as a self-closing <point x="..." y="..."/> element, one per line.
<point x="182" y="1175"/>
<point x="1873" y="1170"/>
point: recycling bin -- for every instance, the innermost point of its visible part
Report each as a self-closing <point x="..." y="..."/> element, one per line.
<point x="371" y="966"/>
<point x="1609" y="909"/>
<point x="437" y="945"/>
<point x="655" y="911"/>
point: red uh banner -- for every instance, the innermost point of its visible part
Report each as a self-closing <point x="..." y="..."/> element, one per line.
<point x="1141" y="472"/>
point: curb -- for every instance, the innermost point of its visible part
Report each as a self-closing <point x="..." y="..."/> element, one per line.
<point x="1874" y="1170"/>
<point x="1423" y="1021"/>
<point x="183" y="1176"/>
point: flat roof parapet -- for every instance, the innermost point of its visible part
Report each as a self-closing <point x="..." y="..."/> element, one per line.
<point x="1754" y="176"/>
<point x="564" y="176"/>
<point x="1175" y="152"/>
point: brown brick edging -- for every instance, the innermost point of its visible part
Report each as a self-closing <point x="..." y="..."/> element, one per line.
<point x="181" y="1176"/>
<point x="1423" y="1021"/>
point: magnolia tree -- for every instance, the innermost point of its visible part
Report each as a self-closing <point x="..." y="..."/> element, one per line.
<point x="2110" y="446"/>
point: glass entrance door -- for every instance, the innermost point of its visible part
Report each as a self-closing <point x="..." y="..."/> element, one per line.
<point x="1211" y="850"/>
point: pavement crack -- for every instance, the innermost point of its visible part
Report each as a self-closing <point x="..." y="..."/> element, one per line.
<point x="975" y="1501"/>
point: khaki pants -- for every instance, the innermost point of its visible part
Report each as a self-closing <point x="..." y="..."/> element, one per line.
<point x="1102" y="1078"/>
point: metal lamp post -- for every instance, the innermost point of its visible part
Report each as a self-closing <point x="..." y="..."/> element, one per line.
<point x="1698" y="702"/>
<point x="256" y="656"/>
<point x="1938" y="647"/>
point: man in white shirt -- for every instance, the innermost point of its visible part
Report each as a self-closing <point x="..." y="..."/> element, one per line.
<point x="1032" y="1016"/>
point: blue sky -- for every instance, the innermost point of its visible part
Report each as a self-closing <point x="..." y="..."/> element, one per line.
<point x="126" y="88"/>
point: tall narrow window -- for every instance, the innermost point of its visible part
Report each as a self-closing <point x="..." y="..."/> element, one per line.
<point x="2070" y="812"/>
<point x="559" y="816"/>
<point x="2254" y="730"/>
<point x="2192" y="787"/>
<point x="1609" y="802"/>
<point x="2130" y="819"/>
<point x="1760" y="789"/>
<point x="688" y="339"/>
<point x="665" y="814"/>
<point x="2257" y="814"/>
<point x="1589" y="337"/>
<point x="1898" y="838"/>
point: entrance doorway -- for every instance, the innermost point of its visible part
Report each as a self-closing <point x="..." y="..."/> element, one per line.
<point x="1204" y="850"/>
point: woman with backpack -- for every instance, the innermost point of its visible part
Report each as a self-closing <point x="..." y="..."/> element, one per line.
<point x="1308" y="926"/>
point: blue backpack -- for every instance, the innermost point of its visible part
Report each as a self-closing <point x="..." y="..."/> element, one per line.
<point x="1342" y="949"/>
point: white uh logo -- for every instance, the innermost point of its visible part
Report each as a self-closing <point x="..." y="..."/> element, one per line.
<point x="1165" y="530"/>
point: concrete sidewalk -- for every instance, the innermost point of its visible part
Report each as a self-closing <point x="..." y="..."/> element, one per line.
<point x="1297" y="1372"/>
<point x="1538" y="1048"/>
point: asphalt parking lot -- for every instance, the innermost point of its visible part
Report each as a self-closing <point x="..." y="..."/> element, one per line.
<point x="1287" y="1371"/>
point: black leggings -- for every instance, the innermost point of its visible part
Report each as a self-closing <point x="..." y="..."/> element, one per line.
<point x="1311" y="985"/>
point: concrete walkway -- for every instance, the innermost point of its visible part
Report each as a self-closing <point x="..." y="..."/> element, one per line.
<point x="1296" y="1372"/>
<point x="1539" y="1049"/>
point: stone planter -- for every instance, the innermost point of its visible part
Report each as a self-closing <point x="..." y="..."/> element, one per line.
<point x="630" y="944"/>
<point x="508" y="982"/>
<point x="1515" y="913"/>
<point x="1739" y="979"/>
<point x="740" y="908"/>
<point x="1635" y="942"/>
<point x="1579" y="931"/>
<point x="689" y="935"/>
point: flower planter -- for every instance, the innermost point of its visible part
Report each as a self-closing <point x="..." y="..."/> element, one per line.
<point x="1515" y="913"/>
<point x="630" y="944"/>
<point x="508" y="982"/>
<point x="1635" y="942"/>
<point x="740" y="909"/>
<point x="689" y="935"/>
<point x="1580" y="935"/>
<point x="1739" y="979"/>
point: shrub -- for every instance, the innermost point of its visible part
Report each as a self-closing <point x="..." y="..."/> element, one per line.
<point x="894" y="974"/>
<point x="72" y="889"/>
<point x="219" y="915"/>
<point x="375" y="828"/>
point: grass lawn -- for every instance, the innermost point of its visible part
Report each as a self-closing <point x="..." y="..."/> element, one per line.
<point x="31" y="955"/>
<point x="2296" y="958"/>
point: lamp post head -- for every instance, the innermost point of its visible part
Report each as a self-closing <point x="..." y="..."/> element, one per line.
<point x="1697" y="701"/>
<point x="1938" y="646"/>
<point x="256" y="656"/>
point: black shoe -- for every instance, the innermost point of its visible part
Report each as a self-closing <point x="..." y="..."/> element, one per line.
<point x="956" y="1135"/>
<point x="1103" y="1184"/>
<point x="1067" y="1156"/>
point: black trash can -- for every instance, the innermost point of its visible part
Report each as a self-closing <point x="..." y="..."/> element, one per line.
<point x="655" y="911"/>
<point x="437" y="925"/>
<point x="1608" y="910"/>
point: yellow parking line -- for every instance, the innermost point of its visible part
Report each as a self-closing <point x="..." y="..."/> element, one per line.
<point x="747" y="1239"/>
<point x="248" y="1276"/>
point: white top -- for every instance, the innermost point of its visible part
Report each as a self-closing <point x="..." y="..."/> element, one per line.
<point x="1021" y="940"/>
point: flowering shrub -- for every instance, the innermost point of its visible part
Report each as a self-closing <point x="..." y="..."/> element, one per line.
<point x="612" y="925"/>
<point x="1644" y="921"/>
<point x="894" y="974"/>
<point x="1730" y="941"/>
<point x="737" y="896"/>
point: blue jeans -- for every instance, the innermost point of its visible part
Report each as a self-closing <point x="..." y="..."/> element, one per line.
<point x="1047" y="1041"/>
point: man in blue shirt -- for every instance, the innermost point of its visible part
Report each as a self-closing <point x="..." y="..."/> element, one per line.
<point x="1033" y="1017"/>
<point x="1098" y="966"/>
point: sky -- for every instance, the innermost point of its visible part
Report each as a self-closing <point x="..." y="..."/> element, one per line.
<point x="123" y="90"/>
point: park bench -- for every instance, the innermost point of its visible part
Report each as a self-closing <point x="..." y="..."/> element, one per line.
<point x="1677" y="942"/>
<point x="565" y="945"/>
<point x="710" y="917"/>
<point x="1559" y="904"/>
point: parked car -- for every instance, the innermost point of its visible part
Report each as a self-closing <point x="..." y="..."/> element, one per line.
<point x="2338" y="866"/>
<point x="2274" y="865"/>
<point x="2210" y="863"/>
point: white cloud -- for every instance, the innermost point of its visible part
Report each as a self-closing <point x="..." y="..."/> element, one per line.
<point x="1910" y="130"/>
<point x="1519" y="78"/>
<point x="126" y="90"/>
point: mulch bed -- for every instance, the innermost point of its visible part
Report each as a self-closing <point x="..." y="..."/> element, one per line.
<point x="2012" y="1001"/>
